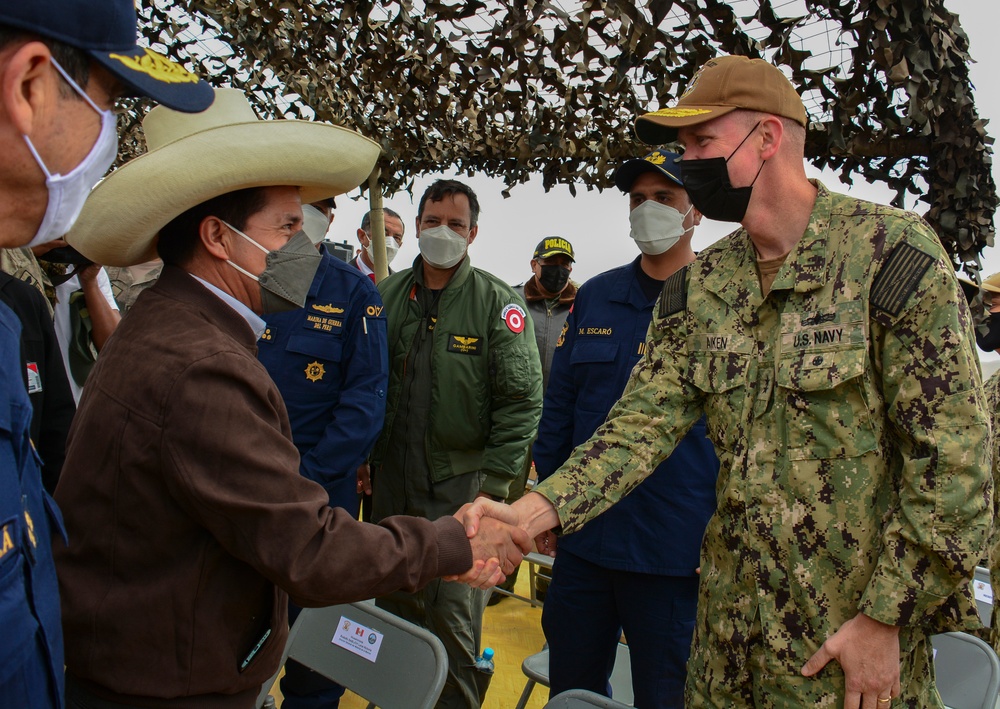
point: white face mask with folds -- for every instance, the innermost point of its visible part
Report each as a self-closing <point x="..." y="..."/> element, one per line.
<point x="657" y="227"/>
<point x="441" y="247"/>
<point x="391" y="247"/>
<point x="68" y="192"/>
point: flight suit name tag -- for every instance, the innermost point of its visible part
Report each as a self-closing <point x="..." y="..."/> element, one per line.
<point x="463" y="344"/>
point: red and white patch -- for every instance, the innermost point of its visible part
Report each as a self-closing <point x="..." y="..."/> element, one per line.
<point x="513" y="316"/>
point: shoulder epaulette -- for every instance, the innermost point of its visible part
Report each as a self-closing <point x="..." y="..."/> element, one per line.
<point x="673" y="297"/>
<point x="899" y="277"/>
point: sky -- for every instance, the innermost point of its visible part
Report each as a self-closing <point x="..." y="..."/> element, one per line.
<point x="596" y="223"/>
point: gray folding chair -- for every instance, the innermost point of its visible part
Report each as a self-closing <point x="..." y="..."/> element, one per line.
<point x="536" y="669"/>
<point x="539" y="566"/>
<point x="967" y="671"/>
<point x="983" y="592"/>
<point x="581" y="699"/>
<point x="408" y="673"/>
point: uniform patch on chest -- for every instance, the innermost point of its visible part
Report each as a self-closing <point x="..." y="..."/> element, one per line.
<point x="899" y="277"/>
<point x="465" y="345"/>
<point x="315" y="371"/>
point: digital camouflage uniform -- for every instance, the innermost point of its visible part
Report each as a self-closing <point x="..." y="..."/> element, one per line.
<point x="847" y="411"/>
<point x="992" y="388"/>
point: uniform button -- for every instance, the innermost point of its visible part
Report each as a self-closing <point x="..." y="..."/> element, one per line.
<point x="817" y="361"/>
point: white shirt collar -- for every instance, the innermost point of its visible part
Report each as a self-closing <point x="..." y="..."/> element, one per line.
<point x="253" y="320"/>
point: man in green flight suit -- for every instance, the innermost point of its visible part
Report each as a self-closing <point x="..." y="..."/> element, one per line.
<point x="831" y="350"/>
<point x="464" y="399"/>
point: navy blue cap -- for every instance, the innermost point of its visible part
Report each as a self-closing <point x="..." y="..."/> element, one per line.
<point x="659" y="161"/>
<point x="106" y="30"/>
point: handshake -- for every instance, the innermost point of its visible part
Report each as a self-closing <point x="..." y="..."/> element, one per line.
<point x="499" y="537"/>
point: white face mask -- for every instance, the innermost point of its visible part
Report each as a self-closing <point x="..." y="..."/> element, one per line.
<point x="314" y="223"/>
<point x="657" y="227"/>
<point x="391" y="248"/>
<point x="67" y="193"/>
<point x="441" y="247"/>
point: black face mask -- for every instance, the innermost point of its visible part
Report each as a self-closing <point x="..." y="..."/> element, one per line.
<point x="990" y="342"/>
<point x="553" y="278"/>
<point x="707" y="184"/>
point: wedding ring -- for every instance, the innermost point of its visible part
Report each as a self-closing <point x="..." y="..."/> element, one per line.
<point x="883" y="701"/>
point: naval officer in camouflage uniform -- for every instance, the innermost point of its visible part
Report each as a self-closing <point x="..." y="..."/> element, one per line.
<point x="829" y="346"/>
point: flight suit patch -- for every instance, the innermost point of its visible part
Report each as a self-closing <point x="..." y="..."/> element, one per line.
<point x="465" y="345"/>
<point x="899" y="277"/>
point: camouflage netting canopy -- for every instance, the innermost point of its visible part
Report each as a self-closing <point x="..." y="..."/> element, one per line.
<point x="516" y="88"/>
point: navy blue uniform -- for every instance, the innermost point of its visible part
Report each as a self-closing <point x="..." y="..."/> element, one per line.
<point x="634" y="566"/>
<point x="31" y="654"/>
<point x="331" y="365"/>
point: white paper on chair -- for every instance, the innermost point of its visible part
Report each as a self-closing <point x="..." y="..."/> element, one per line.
<point x="983" y="591"/>
<point x="358" y="639"/>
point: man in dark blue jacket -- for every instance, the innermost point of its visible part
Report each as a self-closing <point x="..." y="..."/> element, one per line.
<point x="330" y="363"/>
<point x="634" y="567"/>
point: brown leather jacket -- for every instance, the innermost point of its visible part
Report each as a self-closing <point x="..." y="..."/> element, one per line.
<point x="188" y="519"/>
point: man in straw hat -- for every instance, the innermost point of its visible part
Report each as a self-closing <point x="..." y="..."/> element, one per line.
<point x="830" y="348"/>
<point x="62" y="64"/>
<point x="183" y="498"/>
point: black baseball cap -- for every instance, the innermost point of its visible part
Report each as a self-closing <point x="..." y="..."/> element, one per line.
<point x="661" y="162"/>
<point x="554" y="246"/>
<point x="106" y="31"/>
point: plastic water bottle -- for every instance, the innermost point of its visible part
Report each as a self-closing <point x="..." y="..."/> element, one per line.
<point x="484" y="672"/>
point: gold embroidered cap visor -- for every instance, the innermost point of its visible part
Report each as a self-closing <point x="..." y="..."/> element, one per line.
<point x="106" y="31"/>
<point x="722" y="85"/>
<point x="194" y="157"/>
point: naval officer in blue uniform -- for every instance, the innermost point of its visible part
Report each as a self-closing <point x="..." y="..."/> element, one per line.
<point x="632" y="568"/>
<point x="329" y="360"/>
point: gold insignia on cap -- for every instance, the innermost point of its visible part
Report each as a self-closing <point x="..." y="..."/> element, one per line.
<point x="160" y="68"/>
<point x="678" y="112"/>
<point x="656" y="158"/>
<point x="327" y="309"/>
<point x="315" y="371"/>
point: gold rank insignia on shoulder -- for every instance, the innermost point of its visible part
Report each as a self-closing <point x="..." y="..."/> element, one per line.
<point x="465" y="345"/>
<point x="330" y="309"/>
<point x="899" y="277"/>
<point x="8" y="539"/>
<point x="315" y="371"/>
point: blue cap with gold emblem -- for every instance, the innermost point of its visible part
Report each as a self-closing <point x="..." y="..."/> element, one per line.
<point x="659" y="161"/>
<point x="106" y="31"/>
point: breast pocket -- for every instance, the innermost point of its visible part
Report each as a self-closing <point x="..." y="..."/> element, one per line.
<point x="313" y="362"/>
<point x="722" y="377"/>
<point x="595" y="374"/>
<point x="827" y="413"/>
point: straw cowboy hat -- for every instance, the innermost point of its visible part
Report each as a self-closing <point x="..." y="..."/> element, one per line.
<point x="194" y="157"/>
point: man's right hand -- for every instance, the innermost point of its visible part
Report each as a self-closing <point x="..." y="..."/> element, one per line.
<point x="497" y="549"/>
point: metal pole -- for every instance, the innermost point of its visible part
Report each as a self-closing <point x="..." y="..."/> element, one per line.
<point x="377" y="225"/>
